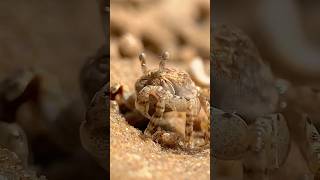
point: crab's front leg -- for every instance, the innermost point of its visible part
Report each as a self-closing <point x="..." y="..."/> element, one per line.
<point x="143" y="103"/>
<point x="155" y="119"/>
<point x="192" y="109"/>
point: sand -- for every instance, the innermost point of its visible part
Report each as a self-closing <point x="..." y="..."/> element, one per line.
<point x="132" y="157"/>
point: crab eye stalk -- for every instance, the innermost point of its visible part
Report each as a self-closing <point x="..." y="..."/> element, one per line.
<point x="164" y="58"/>
<point x="142" y="58"/>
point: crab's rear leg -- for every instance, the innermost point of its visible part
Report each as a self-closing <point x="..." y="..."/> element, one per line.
<point x="207" y="130"/>
<point x="155" y="119"/>
<point x="206" y="106"/>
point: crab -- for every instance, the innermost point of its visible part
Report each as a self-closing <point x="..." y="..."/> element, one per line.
<point x="170" y="130"/>
<point x="166" y="89"/>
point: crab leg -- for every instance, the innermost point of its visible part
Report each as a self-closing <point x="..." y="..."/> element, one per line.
<point x="190" y="117"/>
<point x="155" y="119"/>
<point x="192" y="108"/>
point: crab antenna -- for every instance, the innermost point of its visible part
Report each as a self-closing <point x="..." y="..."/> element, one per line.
<point x="164" y="58"/>
<point x="142" y="58"/>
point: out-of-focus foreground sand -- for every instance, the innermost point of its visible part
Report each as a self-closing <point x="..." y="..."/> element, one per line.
<point x="134" y="158"/>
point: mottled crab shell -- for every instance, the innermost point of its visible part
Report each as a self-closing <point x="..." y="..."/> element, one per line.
<point x="229" y="135"/>
<point x="176" y="81"/>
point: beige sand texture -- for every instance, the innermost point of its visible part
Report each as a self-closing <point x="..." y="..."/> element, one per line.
<point x="134" y="158"/>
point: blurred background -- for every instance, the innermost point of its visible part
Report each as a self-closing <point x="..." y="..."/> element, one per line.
<point x="47" y="42"/>
<point x="287" y="35"/>
<point x="54" y="35"/>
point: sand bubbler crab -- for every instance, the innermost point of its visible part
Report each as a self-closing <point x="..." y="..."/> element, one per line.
<point x="163" y="98"/>
<point x="167" y="89"/>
